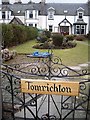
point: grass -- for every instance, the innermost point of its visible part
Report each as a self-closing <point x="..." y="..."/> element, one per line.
<point x="74" y="56"/>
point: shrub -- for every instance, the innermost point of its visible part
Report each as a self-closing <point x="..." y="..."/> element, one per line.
<point x="69" y="44"/>
<point x="88" y="35"/>
<point x="20" y="35"/>
<point x="47" y="33"/>
<point x="43" y="38"/>
<point x="70" y="37"/>
<point x="17" y="34"/>
<point x="55" y="33"/>
<point x="57" y="39"/>
<point x="80" y="38"/>
<point x="7" y="35"/>
<point x="32" y="32"/>
<point x="72" y="44"/>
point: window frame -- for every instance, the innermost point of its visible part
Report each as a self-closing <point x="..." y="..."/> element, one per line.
<point x="78" y="29"/>
<point x="83" y="28"/>
<point x="3" y="15"/>
<point x="31" y="14"/>
<point x="51" y="15"/>
<point x="80" y="16"/>
<point x="50" y="28"/>
<point x="31" y="24"/>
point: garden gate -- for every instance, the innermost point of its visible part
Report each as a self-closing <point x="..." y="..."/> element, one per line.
<point x="26" y="106"/>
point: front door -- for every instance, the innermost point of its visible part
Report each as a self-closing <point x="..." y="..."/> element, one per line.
<point x="64" y="30"/>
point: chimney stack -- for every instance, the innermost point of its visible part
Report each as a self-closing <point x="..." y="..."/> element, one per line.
<point x="18" y="1"/>
<point x="5" y="1"/>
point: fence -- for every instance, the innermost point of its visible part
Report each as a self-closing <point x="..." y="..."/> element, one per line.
<point x="27" y="106"/>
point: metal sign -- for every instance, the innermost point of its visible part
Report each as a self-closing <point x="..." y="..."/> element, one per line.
<point x="67" y="88"/>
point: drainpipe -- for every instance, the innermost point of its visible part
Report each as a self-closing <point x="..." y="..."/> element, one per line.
<point x="0" y="74"/>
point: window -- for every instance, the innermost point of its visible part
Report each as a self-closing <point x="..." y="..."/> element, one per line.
<point x="3" y="15"/>
<point x="50" y="28"/>
<point x="35" y="25"/>
<point x="31" y="25"/>
<point x="51" y="15"/>
<point x="51" y="12"/>
<point x="30" y="14"/>
<point x="82" y="29"/>
<point x="80" y="15"/>
<point x="78" y="29"/>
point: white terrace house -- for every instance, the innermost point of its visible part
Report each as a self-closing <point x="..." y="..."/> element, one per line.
<point x="69" y="18"/>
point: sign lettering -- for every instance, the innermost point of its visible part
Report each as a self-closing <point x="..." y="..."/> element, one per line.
<point x="66" y="88"/>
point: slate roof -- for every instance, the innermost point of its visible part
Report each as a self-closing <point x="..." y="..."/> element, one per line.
<point x="43" y="9"/>
<point x="80" y="22"/>
<point x="70" y="7"/>
<point x="64" y="21"/>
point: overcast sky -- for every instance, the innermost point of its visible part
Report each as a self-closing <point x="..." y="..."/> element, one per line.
<point x="58" y="1"/>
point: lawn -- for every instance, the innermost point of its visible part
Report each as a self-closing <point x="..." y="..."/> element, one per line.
<point x="73" y="56"/>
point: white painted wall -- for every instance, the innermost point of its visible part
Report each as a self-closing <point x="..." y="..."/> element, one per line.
<point x="57" y="20"/>
<point x="42" y="24"/>
<point x="0" y="15"/>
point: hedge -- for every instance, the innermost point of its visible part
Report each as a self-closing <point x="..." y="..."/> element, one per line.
<point x="13" y="35"/>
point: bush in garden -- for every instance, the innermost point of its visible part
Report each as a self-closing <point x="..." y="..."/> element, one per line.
<point x="57" y="39"/>
<point x="80" y="38"/>
<point x="7" y="35"/>
<point x="70" y="37"/>
<point x="17" y="34"/>
<point x="72" y="44"/>
<point x="20" y="35"/>
<point x="32" y="32"/>
<point x="69" y="44"/>
<point x="47" y="33"/>
<point x="43" y="38"/>
<point x="88" y="35"/>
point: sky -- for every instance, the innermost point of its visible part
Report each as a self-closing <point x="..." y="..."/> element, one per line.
<point x="55" y="1"/>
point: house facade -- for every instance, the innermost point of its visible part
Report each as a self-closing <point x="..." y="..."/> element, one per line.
<point x="66" y="18"/>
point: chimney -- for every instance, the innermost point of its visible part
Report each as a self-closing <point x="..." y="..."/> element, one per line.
<point x="43" y="1"/>
<point x="18" y="1"/>
<point x="42" y="6"/>
<point x="30" y="1"/>
<point x="5" y="1"/>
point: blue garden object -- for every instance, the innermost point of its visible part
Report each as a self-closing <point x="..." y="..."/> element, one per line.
<point x="41" y="54"/>
<point x="35" y="53"/>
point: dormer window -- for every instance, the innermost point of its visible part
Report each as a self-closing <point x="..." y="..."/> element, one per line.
<point x="80" y="12"/>
<point x="50" y="15"/>
<point x="80" y="15"/>
<point x="51" y="12"/>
